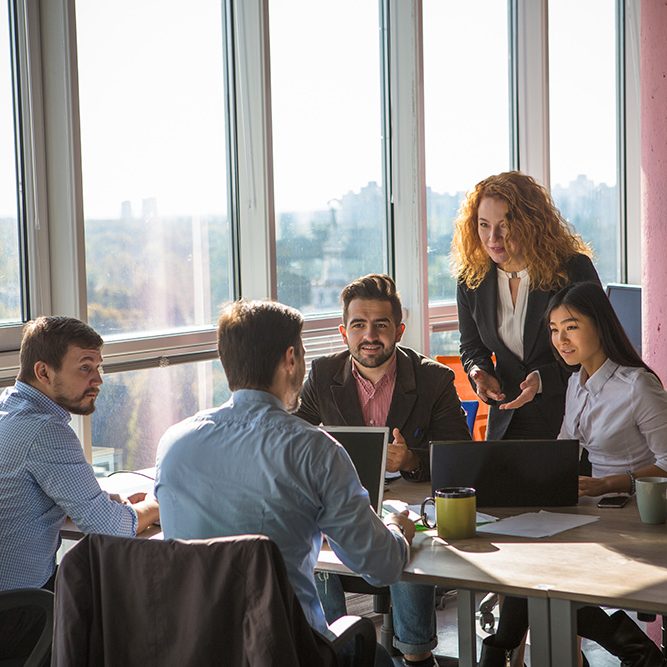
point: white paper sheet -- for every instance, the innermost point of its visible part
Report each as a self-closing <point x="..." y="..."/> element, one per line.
<point x="537" y="524"/>
<point x="399" y="506"/>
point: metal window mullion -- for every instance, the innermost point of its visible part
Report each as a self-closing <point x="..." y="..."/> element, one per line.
<point x="408" y="180"/>
<point x="630" y="99"/>
<point x="533" y="88"/>
<point x="257" y="247"/>
<point x="62" y="157"/>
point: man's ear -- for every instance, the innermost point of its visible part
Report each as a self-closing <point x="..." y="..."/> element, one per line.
<point x="42" y="372"/>
<point x="290" y="358"/>
<point x="400" y="330"/>
<point x="343" y="332"/>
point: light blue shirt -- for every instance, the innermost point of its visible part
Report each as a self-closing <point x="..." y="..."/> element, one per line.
<point x="44" y="477"/>
<point x="249" y="467"/>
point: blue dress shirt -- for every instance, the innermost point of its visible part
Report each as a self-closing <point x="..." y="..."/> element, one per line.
<point x="249" y="467"/>
<point x="44" y="477"/>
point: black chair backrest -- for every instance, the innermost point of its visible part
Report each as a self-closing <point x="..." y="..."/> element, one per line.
<point x="33" y="597"/>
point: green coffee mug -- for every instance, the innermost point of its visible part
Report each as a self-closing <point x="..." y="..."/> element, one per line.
<point x="652" y="498"/>
<point x="455" y="512"/>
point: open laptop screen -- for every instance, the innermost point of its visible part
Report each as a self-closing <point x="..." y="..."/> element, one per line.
<point x="510" y="473"/>
<point x="367" y="447"/>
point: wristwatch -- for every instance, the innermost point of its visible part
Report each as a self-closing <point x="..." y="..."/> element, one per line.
<point x="633" y="481"/>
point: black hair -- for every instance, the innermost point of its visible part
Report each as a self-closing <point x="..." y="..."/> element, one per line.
<point x="589" y="299"/>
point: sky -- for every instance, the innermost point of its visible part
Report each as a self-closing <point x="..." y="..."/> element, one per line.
<point x="152" y="105"/>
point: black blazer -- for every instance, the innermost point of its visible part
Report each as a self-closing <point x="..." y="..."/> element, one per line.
<point x="424" y="406"/>
<point x="477" y="310"/>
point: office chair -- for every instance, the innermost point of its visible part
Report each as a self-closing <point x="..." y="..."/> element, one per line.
<point x="225" y="601"/>
<point x="466" y="393"/>
<point x="470" y="408"/>
<point x="31" y="597"/>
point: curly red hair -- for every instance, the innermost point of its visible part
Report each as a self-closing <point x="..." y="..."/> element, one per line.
<point x="535" y="225"/>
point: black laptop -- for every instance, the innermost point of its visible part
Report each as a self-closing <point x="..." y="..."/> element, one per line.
<point x="510" y="473"/>
<point x="367" y="447"/>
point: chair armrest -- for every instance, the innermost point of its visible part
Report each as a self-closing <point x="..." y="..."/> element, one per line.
<point x="359" y="630"/>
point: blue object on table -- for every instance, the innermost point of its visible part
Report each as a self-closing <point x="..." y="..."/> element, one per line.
<point x="470" y="408"/>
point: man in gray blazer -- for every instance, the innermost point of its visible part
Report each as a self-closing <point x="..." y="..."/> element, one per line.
<point x="376" y="382"/>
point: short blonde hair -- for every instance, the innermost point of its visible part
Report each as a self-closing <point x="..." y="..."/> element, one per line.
<point x="535" y="225"/>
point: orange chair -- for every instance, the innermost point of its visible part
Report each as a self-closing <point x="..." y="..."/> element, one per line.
<point x="466" y="393"/>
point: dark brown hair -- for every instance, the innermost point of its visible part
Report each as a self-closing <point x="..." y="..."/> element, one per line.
<point x="375" y="286"/>
<point x="47" y="339"/>
<point x="252" y="338"/>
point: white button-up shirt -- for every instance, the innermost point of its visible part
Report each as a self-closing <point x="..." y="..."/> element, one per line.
<point x="620" y="415"/>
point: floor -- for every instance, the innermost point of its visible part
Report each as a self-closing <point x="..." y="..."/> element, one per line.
<point x="447" y="649"/>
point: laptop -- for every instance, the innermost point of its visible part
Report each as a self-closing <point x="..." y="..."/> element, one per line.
<point x="510" y="473"/>
<point x="367" y="447"/>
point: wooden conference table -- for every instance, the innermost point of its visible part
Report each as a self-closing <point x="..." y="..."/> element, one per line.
<point x="616" y="561"/>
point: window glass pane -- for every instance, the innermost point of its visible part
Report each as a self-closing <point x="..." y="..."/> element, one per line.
<point x="151" y="87"/>
<point x="467" y="117"/>
<point x="135" y="408"/>
<point x="327" y="148"/>
<point x="583" y="122"/>
<point x="10" y="270"/>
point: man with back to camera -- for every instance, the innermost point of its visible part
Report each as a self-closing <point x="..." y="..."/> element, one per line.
<point x="44" y="476"/>
<point x="376" y="382"/>
<point x="259" y="469"/>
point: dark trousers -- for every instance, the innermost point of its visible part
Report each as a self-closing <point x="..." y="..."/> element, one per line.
<point x="20" y="628"/>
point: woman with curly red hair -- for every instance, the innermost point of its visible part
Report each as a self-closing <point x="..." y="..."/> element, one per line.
<point x="512" y="250"/>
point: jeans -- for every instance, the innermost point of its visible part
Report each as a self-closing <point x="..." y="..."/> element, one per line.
<point x="412" y="608"/>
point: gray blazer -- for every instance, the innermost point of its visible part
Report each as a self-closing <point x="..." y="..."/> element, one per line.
<point x="424" y="406"/>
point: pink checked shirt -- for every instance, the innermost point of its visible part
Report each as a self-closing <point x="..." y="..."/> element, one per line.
<point x="375" y="399"/>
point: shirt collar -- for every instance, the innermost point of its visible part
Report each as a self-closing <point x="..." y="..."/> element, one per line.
<point x="594" y="384"/>
<point x="40" y="398"/>
<point x="388" y="376"/>
<point x="256" y="396"/>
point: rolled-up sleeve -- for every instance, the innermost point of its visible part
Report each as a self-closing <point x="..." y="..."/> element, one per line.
<point x="58" y="465"/>
<point x="356" y="534"/>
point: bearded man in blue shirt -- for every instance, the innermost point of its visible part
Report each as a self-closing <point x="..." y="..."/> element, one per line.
<point x="250" y="466"/>
<point x="44" y="476"/>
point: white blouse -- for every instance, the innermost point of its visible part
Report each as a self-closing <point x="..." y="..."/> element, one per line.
<point x="620" y="415"/>
<point x="512" y="317"/>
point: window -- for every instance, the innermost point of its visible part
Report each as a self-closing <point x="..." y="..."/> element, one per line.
<point x="467" y="127"/>
<point x="153" y="144"/>
<point x="135" y="408"/>
<point x="584" y="122"/>
<point x="326" y="98"/>
<point x="11" y="306"/>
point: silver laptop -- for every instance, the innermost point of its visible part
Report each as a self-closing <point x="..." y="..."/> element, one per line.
<point x="367" y="447"/>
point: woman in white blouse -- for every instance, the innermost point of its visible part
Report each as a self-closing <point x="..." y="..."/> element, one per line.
<point x="617" y="408"/>
<point x="512" y="251"/>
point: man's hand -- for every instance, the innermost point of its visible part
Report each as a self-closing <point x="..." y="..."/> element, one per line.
<point x="399" y="457"/>
<point x="148" y="512"/>
<point x="404" y="524"/>
<point x="486" y="385"/>
<point x="528" y="388"/>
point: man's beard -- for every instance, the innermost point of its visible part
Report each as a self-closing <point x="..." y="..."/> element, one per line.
<point x="376" y="361"/>
<point x="74" y="406"/>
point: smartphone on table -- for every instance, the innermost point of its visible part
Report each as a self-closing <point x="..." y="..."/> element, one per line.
<point x="613" y="501"/>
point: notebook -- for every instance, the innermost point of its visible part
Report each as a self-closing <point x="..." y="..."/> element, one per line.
<point x="367" y="447"/>
<point x="510" y="473"/>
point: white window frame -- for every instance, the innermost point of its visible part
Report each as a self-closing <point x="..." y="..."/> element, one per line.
<point x="51" y="153"/>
